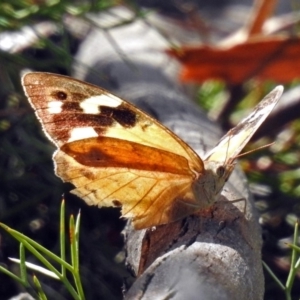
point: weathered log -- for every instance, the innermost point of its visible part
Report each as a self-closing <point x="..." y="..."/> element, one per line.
<point x="214" y="254"/>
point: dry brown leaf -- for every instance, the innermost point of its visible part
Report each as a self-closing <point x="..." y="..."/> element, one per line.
<point x="272" y="58"/>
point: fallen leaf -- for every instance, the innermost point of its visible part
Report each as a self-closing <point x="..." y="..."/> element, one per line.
<point x="272" y="58"/>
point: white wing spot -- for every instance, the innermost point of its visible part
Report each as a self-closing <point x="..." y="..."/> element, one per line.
<point x="91" y="105"/>
<point x="55" y="107"/>
<point x="80" y="133"/>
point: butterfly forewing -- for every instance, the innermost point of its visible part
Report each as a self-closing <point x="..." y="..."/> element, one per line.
<point x="231" y="144"/>
<point x="71" y="110"/>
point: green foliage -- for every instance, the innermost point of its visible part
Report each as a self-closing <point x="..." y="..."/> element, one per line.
<point x="211" y="94"/>
<point x="294" y="266"/>
<point x="15" y="14"/>
<point x="47" y="258"/>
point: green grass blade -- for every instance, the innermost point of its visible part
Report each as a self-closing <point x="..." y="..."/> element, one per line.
<point x="41" y="294"/>
<point x="62" y="237"/>
<point x="72" y="241"/>
<point x="273" y="276"/>
<point x="76" y="241"/>
<point x="12" y="275"/>
<point x="293" y="270"/>
<point x="23" y="271"/>
<point x="34" y="245"/>
<point x="76" y="258"/>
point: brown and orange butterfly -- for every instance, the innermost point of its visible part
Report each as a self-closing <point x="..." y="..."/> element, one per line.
<point x="116" y="155"/>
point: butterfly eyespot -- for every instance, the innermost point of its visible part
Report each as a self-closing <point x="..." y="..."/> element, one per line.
<point x="117" y="203"/>
<point x="220" y="171"/>
<point x="59" y="95"/>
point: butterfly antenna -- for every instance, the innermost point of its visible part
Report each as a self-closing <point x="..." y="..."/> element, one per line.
<point x="250" y="151"/>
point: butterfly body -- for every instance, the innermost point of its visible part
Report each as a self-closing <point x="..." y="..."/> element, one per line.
<point x="116" y="155"/>
<point x="207" y="188"/>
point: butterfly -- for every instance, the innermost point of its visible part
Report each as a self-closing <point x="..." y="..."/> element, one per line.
<point x="117" y="155"/>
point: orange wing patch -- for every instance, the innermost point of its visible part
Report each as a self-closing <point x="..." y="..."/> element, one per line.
<point x="145" y="181"/>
